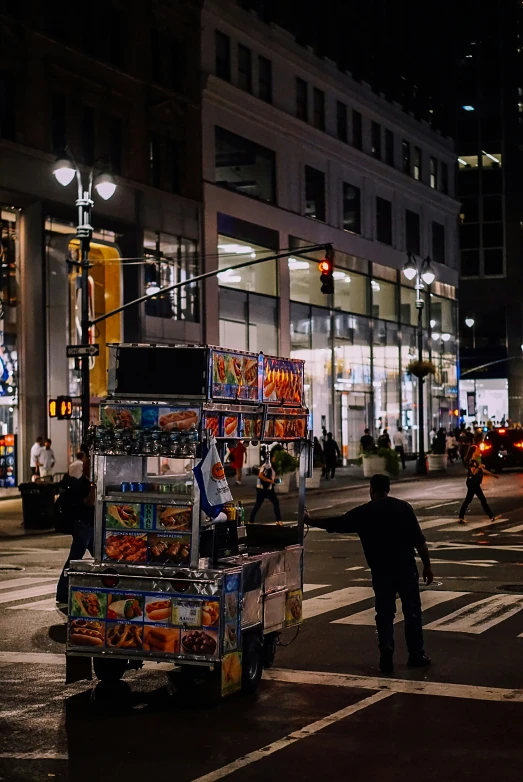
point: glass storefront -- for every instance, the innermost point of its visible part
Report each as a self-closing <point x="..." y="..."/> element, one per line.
<point x="168" y="260"/>
<point x="9" y="250"/>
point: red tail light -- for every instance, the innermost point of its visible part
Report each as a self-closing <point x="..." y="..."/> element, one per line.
<point x="518" y="445"/>
<point x="502" y="431"/>
<point x="485" y="446"/>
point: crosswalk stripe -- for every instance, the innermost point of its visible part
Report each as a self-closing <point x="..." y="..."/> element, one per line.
<point x="14" y="583"/>
<point x="314" y="606"/>
<point x="519" y="528"/>
<point x="480" y="616"/>
<point x="429" y="599"/>
<point x="474" y="525"/>
<point x="312" y="587"/>
<point x="38" y="605"/>
<point x="23" y="594"/>
<point x="439" y="522"/>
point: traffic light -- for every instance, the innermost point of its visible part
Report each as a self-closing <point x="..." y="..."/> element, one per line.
<point x="326" y="268"/>
<point x="64" y="407"/>
<point x="52" y="408"/>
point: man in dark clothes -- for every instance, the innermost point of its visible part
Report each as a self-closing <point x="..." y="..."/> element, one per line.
<point x="331" y="453"/>
<point x="367" y="441"/>
<point x="390" y="533"/>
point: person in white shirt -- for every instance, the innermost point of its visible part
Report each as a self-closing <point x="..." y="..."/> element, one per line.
<point x="400" y="444"/>
<point x="34" y="463"/>
<point x="46" y="459"/>
<point x="76" y="468"/>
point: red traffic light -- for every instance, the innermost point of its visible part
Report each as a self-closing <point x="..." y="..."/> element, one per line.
<point x="325" y="266"/>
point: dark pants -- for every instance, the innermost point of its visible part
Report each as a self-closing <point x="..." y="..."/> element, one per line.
<point x="330" y="468"/>
<point x="400" y="450"/>
<point x="266" y="494"/>
<point x="83" y="538"/>
<point x="385" y="589"/>
<point x="477" y="491"/>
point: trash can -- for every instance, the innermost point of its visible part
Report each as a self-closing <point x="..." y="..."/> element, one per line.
<point x="38" y="504"/>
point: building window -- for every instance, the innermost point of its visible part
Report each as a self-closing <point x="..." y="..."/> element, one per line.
<point x="223" y="56"/>
<point x="319" y="109"/>
<point x="248" y="322"/>
<point x="174" y="157"/>
<point x="434" y="173"/>
<point x="88" y="130"/>
<point x="412" y="232"/>
<point x="341" y="121"/>
<point x="357" y="129"/>
<point x="405" y="152"/>
<point x="376" y="140"/>
<point x="383" y="220"/>
<point x="244" y="68"/>
<point x="444" y="178"/>
<point x="416" y="169"/>
<point x="264" y="79"/>
<point x="155" y="162"/>
<point x="493" y="262"/>
<point x="302" y="100"/>
<point x="314" y="193"/>
<point x="116" y="144"/>
<point x="171" y="259"/>
<point x="351" y="208"/>
<point x="470" y="263"/>
<point x="7" y="107"/>
<point x="58" y="124"/>
<point x="245" y="166"/>
<point x="438" y="242"/>
<point x="389" y="147"/>
<point x="259" y="278"/>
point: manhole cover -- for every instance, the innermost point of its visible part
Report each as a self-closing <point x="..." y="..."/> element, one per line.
<point x="511" y="588"/>
<point x="11" y="567"/>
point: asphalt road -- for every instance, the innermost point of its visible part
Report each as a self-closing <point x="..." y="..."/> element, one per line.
<point x="324" y="709"/>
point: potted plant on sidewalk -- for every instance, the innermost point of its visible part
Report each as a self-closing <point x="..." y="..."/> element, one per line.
<point x="284" y="464"/>
<point x="437" y="456"/>
<point x="380" y="460"/>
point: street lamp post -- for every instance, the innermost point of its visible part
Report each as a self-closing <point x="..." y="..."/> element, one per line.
<point x="422" y="271"/>
<point x="470" y="323"/>
<point x="64" y="170"/>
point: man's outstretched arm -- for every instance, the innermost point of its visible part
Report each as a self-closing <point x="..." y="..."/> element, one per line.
<point x="346" y="523"/>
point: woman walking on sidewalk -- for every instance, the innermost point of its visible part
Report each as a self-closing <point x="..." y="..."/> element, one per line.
<point x="476" y="471"/>
<point x="265" y="491"/>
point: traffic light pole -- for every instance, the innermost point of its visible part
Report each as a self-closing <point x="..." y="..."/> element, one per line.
<point x="302" y="251"/>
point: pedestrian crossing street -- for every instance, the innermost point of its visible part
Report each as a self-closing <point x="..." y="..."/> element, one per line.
<point x="476" y="617"/>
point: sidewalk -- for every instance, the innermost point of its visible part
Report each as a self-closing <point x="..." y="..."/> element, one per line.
<point x="347" y="478"/>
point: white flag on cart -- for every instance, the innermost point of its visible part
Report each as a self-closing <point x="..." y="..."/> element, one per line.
<point x="211" y="480"/>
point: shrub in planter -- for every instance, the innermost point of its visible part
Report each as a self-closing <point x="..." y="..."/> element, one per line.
<point x="392" y="460"/>
<point x="282" y="461"/>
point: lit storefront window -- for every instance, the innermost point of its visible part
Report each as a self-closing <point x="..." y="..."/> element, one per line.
<point x="168" y="260"/>
<point x="9" y="249"/>
<point x="260" y="278"/>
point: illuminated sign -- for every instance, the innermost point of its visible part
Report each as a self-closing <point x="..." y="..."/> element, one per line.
<point x="64" y="407"/>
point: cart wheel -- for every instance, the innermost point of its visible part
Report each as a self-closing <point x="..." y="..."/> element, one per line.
<point x="270" y="642"/>
<point x="252" y="663"/>
<point x="109" y="670"/>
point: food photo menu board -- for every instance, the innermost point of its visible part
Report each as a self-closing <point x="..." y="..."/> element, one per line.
<point x="283" y="380"/>
<point x="146" y="532"/>
<point x="168" y="419"/>
<point x="235" y="375"/>
<point x="135" y="621"/>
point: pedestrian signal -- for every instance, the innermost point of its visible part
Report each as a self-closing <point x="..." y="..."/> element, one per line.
<point x="326" y="268"/>
<point x="52" y="408"/>
<point x="64" y="407"/>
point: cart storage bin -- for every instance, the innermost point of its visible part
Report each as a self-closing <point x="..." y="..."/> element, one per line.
<point x="38" y="505"/>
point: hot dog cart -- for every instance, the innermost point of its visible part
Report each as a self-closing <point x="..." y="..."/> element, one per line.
<point x="167" y="583"/>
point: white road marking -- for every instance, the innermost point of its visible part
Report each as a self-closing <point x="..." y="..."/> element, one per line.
<point x="314" y="606"/>
<point x="38" y="605"/>
<point x="469" y="563"/>
<point x="33" y="756"/>
<point x="312" y="587"/>
<point x="22" y="594"/>
<point x="32" y="658"/>
<point x="291" y="738"/>
<point x="356" y="567"/>
<point x="14" y="583"/>
<point x="429" y="598"/>
<point x="478" y="617"/>
<point x="519" y="528"/>
<point x="439" y="522"/>
<point x="474" y="525"/>
<point x="387" y="684"/>
<point x="434" y="546"/>
<point x="442" y="505"/>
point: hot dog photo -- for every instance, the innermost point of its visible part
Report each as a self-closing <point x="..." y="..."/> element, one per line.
<point x="178" y="419"/>
<point x="86" y="632"/>
<point x="157" y="608"/>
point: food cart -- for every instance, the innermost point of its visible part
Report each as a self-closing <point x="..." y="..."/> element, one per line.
<point x="167" y="583"/>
